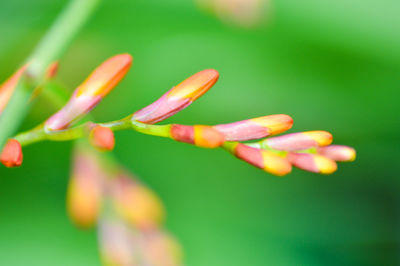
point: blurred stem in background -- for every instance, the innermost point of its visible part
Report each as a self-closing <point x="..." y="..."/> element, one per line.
<point x="48" y="50"/>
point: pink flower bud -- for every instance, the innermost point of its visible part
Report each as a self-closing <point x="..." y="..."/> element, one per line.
<point x="299" y="141"/>
<point x="266" y="160"/>
<point x="12" y="156"/>
<point x="178" y="98"/>
<point x="255" y="128"/>
<point x="339" y="153"/>
<point x="102" y="138"/>
<point x="201" y="136"/>
<point x="85" y="189"/>
<point x="8" y="87"/>
<point x="100" y="82"/>
<point x="312" y="162"/>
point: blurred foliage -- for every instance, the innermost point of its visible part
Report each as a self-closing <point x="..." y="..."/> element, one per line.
<point x="331" y="65"/>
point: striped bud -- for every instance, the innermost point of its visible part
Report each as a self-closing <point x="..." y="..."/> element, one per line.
<point x="12" y="156"/>
<point x="177" y="98"/>
<point x="84" y="189"/>
<point x="201" y="136"/>
<point x="263" y="159"/>
<point x="255" y="128"/>
<point x="299" y="141"/>
<point x="102" y="138"/>
<point x="137" y="204"/>
<point x="100" y="82"/>
<point x="8" y="87"/>
<point x="312" y="162"/>
<point x="339" y="153"/>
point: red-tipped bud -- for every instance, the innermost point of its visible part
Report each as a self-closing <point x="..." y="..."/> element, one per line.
<point x="100" y="82"/>
<point x="299" y="141"/>
<point x="7" y="88"/>
<point x="312" y="163"/>
<point x="339" y="153"/>
<point x="138" y="204"/>
<point x="12" y="156"/>
<point x="255" y="128"/>
<point x="178" y="98"/>
<point x="85" y="189"/>
<point x="102" y="138"/>
<point x="201" y="136"/>
<point x="266" y="160"/>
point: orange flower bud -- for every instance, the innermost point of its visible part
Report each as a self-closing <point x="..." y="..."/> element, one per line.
<point x="102" y="80"/>
<point x="266" y="160"/>
<point x="12" y="156"/>
<point x="178" y="98"/>
<point x="339" y="153"/>
<point x="312" y="163"/>
<point x="102" y="138"/>
<point x="85" y="189"/>
<point x="7" y="88"/>
<point x="201" y="136"/>
<point x="299" y="141"/>
<point x="255" y="128"/>
<point x="52" y="70"/>
<point x="138" y="204"/>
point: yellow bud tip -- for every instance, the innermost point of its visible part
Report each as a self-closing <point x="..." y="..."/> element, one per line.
<point x="207" y="137"/>
<point x="322" y="138"/>
<point x="196" y="85"/>
<point x="102" y="138"/>
<point x="275" y="123"/>
<point x="325" y="165"/>
<point x="12" y="156"/>
<point x="275" y="164"/>
<point x="105" y="77"/>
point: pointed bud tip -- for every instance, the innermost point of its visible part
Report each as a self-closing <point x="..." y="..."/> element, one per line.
<point x="275" y="123"/>
<point x="12" y="156"/>
<point x="338" y="153"/>
<point x="102" y="138"/>
<point x="322" y="138"/>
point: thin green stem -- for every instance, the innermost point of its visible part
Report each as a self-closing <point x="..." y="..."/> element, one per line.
<point x="49" y="49"/>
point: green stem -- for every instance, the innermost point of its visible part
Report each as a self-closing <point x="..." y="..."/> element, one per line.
<point x="49" y="49"/>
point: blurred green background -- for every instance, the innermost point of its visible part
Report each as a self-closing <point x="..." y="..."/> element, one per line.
<point x="332" y="65"/>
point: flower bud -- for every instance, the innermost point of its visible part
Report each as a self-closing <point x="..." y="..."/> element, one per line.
<point x="201" y="136"/>
<point x="339" y="153"/>
<point x="137" y="204"/>
<point x="100" y="82"/>
<point x="299" y="141"/>
<point x="255" y="128"/>
<point x="118" y="244"/>
<point x="85" y="189"/>
<point x="8" y="87"/>
<point x="161" y="249"/>
<point x="11" y="156"/>
<point x="102" y="138"/>
<point x="312" y="163"/>
<point x="52" y="70"/>
<point x="266" y="160"/>
<point x="177" y="98"/>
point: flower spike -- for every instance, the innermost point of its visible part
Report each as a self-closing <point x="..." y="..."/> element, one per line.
<point x="102" y="138"/>
<point x="8" y="87"/>
<point x="201" y="136"/>
<point x="298" y="141"/>
<point x="312" y="162"/>
<point x="338" y="153"/>
<point x="84" y="189"/>
<point x="177" y="98"/>
<point x="12" y="156"/>
<point x="100" y="82"/>
<point x="255" y="128"/>
<point x="263" y="159"/>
